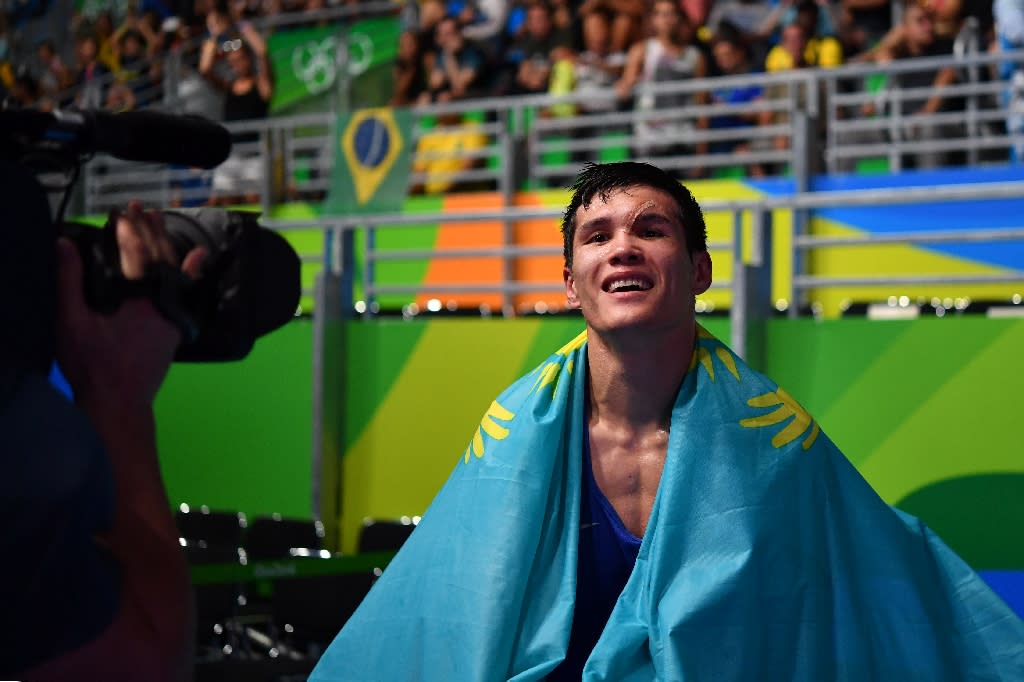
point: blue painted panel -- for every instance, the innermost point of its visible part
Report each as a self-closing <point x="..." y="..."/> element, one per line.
<point x="1009" y="585"/>
<point x="929" y="217"/>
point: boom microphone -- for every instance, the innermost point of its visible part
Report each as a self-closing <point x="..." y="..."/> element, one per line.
<point x="149" y="136"/>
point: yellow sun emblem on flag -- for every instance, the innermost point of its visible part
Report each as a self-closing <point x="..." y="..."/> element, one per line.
<point x="785" y="408"/>
<point x="549" y="373"/>
<point x="702" y="355"/>
<point x="489" y="425"/>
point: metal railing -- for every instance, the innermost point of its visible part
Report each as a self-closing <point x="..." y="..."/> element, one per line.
<point x="751" y="221"/>
<point x="816" y="125"/>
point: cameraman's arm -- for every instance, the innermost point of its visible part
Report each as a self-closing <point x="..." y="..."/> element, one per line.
<point x="115" y="365"/>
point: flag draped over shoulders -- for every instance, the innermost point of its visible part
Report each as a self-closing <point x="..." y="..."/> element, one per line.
<point x="767" y="556"/>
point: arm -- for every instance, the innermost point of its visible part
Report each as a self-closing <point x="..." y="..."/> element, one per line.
<point x="116" y="364"/>
<point x="942" y="79"/>
<point x="494" y="14"/>
<point x="631" y="8"/>
<point x="403" y="85"/>
<point x="461" y="76"/>
<point x="631" y="71"/>
<point x="864" y="4"/>
<point x="771" y="22"/>
<point x="264" y="74"/>
<point x="885" y="49"/>
<point x="207" y="61"/>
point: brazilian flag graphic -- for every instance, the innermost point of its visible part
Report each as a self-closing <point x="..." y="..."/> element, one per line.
<point x="372" y="161"/>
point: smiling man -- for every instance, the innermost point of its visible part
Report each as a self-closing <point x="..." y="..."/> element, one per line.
<point x="635" y="250"/>
<point x="644" y="506"/>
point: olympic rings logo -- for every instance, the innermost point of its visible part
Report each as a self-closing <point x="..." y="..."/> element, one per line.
<point x="317" y="63"/>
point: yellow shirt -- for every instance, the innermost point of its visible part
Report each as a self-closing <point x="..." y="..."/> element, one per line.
<point x="825" y="52"/>
<point x="447" y="151"/>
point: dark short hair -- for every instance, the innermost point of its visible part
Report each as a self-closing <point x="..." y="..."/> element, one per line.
<point x="601" y="180"/>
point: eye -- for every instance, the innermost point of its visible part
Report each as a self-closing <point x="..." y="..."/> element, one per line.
<point x="597" y="238"/>
<point x="650" y="232"/>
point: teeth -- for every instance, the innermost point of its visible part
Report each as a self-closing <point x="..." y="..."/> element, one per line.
<point x="623" y="283"/>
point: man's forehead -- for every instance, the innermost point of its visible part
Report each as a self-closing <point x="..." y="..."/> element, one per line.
<point x="641" y="197"/>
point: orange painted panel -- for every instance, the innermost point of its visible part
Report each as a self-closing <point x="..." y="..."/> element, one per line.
<point x="539" y="269"/>
<point x="447" y="271"/>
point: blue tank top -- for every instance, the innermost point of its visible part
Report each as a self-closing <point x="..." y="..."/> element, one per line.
<point x="607" y="554"/>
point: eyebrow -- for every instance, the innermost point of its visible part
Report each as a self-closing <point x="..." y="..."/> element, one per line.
<point x="650" y="215"/>
<point x="594" y="224"/>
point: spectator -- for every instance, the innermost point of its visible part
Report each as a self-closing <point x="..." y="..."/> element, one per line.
<point x="863" y="23"/>
<point x="596" y="70"/>
<point x="446" y="151"/>
<point x="410" y="72"/>
<point x="949" y="17"/>
<point x="918" y="39"/>
<point x="49" y="69"/>
<point x="430" y="14"/>
<point x="745" y="16"/>
<point x="138" y="73"/>
<point x="456" y="65"/>
<point x="622" y="19"/>
<point x="247" y="92"/>
<point x="820" y="49"/>
<point x="947" y="20"/>
<point x="667" y="55"/>
<point x="198" y="96"/>
<point x="732" y="58"/>
<point x="92" y="76"/>
<point x="539" y="48"/>
<point x="23" y="93"/>
<point x="697" y="11"/>
<point x="793" y="52"/>
<point x="1009" y="36"/>
<point x="146" y="31"/>
<point x="827" y="18"/>
<point x="483" y="23"/>
<point x="106" y="50"/>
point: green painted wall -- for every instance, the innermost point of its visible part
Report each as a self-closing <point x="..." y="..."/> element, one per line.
<point x="238" y="435"/>
<point x="926" y="409"/>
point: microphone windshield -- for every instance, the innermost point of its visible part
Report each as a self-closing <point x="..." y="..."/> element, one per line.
<point x="152" y="136"/>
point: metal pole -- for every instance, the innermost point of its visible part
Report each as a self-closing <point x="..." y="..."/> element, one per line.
<point x="508" y="192"/>
<point x="332" y="304"/>
<point x="738" y="307"/>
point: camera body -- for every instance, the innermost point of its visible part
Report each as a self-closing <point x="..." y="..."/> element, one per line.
<point x="249" y="284"/>
<point x="250" y="279"/>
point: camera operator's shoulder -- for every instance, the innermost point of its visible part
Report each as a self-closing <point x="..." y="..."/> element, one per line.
<point x="50" y="449"/>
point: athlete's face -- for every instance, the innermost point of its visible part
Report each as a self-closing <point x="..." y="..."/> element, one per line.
<point x="631" y="268"/>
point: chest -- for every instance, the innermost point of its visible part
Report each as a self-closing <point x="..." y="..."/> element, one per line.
<point x="628" y="472"/>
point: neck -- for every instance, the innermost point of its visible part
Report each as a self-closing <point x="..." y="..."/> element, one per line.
<point x="633" y="382"/>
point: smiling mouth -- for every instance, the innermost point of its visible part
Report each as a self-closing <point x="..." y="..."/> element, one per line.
<point x="630" y="284"/>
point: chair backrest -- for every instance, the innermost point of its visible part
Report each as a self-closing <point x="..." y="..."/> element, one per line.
<point x="383" y="535"/>
<point x="316" y="607"/>
<point x="203" y="526"/>
<point x="273" y="537"/>
<point x="201" y="554"/>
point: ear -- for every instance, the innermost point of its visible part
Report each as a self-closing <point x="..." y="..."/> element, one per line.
<point x="701" y="272"/>
<point x="570" y="288"/>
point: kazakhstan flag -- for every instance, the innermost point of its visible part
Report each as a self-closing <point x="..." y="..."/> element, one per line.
<point x="372" y="162"/>
<point x="766" y="556"/>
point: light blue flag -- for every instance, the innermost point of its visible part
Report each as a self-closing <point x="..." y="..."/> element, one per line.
<point x="766" y="556"/>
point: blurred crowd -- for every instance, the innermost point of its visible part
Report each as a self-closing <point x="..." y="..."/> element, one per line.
<point x="116" y="57"/>
<point x="453" y="49"/>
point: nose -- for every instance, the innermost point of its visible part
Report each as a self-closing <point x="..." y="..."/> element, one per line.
<point x="625" y="248"/>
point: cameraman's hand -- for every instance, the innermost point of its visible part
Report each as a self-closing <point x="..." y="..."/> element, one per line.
<point x="119" y="359"/>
